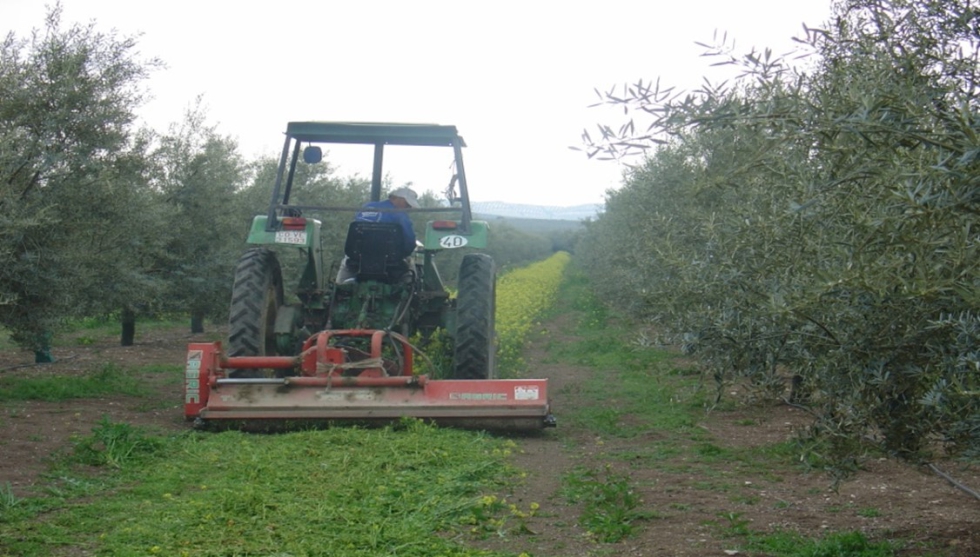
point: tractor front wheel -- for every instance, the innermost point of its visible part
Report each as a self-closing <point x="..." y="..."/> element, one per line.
<point x="256" y="297"/>
<point x="475" y="344"/>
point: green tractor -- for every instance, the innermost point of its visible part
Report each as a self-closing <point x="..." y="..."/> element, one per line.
<point x="385" y="292"/>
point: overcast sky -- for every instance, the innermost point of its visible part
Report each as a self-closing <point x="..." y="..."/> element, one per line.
<point x="514" y="76"/>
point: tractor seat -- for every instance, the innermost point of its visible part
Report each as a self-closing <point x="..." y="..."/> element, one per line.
<point x="373" y="251"/>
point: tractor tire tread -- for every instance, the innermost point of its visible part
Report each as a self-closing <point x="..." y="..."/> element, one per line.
<point x="257" y="276"/>
<point x="475" y="305"/>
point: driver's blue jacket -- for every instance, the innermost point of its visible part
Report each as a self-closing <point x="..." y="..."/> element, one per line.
<point x="408" y="234"/>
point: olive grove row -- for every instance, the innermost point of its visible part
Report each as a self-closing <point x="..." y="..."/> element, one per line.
<point x="810" y="228"/>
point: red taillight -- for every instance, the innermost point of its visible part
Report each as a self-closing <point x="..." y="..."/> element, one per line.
<point x="444" y="225"/>
<point x="294" y="223"/>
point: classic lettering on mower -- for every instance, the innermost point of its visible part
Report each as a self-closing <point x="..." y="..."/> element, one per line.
<point x="477" y="396"/>
<point x="192" y="377"/>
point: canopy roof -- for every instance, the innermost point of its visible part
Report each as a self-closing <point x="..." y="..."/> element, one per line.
<point x="374" y="133"/>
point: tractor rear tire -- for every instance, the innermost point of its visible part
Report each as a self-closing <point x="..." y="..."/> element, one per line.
<point x="475" y="343"/>
<point x="256" y="297"/>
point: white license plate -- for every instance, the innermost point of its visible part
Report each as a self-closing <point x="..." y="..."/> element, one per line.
<point x="291" y="237"/>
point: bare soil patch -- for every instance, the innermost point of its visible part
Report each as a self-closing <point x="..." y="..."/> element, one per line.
<point x="33" y="432"/>
<point x="693" y="505"/>
<point x="696" y="506"/>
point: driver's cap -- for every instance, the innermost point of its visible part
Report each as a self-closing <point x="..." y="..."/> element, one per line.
<point x="408" y="195"/>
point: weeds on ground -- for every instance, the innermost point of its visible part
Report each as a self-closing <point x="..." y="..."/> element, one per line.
<point x="733" y="525"/>
<point x="610" y="503"/>
<point x="435" y="356"/>
<point x="840" y="544"/>
<point x="115" y="445"/>
<point x="869" y="512"/>
<point x="163" y="369"/>
<point x="641" y="382"/>
<point x="107" y="326"/>
<point x="87" y="331"/>
<point x="7" y="498"/>
<point x="638" y="389"/>
<point x="493" y="515"/>
<point x="109" y="379"/>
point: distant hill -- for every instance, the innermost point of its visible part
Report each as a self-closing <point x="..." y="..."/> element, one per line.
<point x="538" y="212"/>
<point x="533" y="226"/>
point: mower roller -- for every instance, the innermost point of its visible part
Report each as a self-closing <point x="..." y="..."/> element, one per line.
<point x="340" y="351"/>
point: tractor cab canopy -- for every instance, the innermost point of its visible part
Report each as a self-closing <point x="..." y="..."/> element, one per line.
<point x="371" y="134"/>
<point x="303" y="141"/>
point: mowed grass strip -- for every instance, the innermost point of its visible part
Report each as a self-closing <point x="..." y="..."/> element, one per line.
<point x="408" y="491"/>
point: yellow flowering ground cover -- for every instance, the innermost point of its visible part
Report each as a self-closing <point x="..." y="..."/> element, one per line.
<point x="522" y="296"/>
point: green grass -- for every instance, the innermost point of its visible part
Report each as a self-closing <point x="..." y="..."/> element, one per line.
<point x="107" y="380"/>
<point x="733" y="525"/>
<point x="839" y="544"/>
<point x="634" y="389"/>
<point x="409" y="491"/>
<point x="745" y="499"/>
<point x="115" y="445"/>
<point x="110" y="326"/>
<point x="869" y="512"/>
<point x="638" y="389"/>
<point x="164" y="369"/>
<point x="611" y="506"/>
<point x="7" y="498"/>
<point x="89" y="330"/>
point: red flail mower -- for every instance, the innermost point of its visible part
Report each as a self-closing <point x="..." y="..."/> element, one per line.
<point x="331" y="388"/>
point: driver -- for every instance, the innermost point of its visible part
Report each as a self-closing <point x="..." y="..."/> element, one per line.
<point x="401" y="198"/>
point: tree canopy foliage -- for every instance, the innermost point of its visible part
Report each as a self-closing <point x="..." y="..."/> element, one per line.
<point x="817" y="218"/>
<point x="72" y="174"/>
<point x="197" y="175"/>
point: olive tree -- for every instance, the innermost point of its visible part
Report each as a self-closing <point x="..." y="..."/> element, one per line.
<point x="817" y="221"/>
<point x="72" y="174"/>
<point x="197" y="175"/>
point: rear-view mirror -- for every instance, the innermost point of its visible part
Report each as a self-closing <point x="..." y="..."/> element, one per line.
<point x="312" y="154"/>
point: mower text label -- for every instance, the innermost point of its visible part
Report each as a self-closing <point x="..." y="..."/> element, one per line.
<point x="453" y="241"/>
<point x="526" y="392"/>
<point x="349" y="395"/>
<point x="477" y="396"/>
<point x="192" y="378"/>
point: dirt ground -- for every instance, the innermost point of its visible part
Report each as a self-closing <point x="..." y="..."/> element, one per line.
<point x="690" y="514"/>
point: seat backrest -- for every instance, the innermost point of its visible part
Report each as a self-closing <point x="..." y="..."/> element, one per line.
<point x="373" y="250"/>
